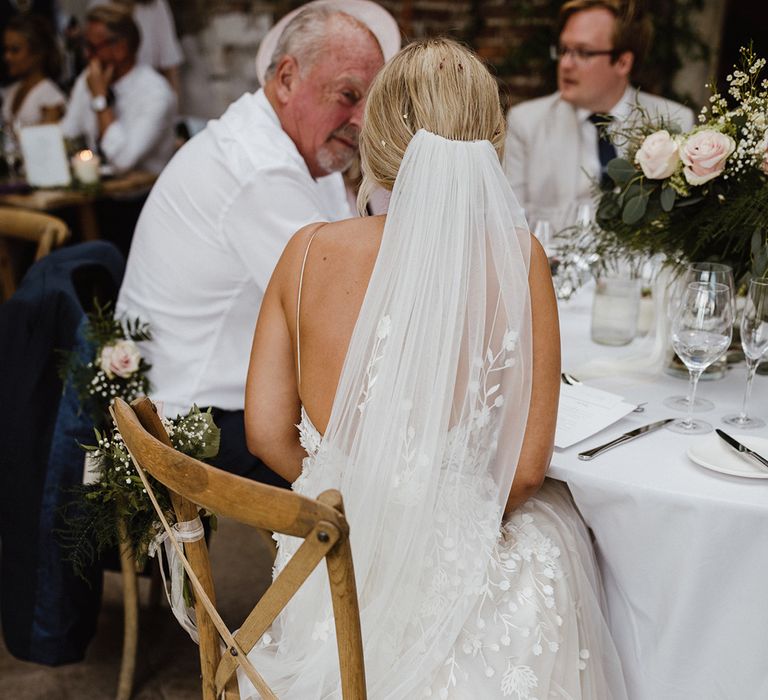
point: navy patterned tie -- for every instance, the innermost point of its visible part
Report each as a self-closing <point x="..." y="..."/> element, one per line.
<point x="606" y="151"/>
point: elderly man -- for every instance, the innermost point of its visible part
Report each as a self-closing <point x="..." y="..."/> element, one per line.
<point x="125" y="111"/>
<point x="557" y="145"/>
<point x="220" y="215"/>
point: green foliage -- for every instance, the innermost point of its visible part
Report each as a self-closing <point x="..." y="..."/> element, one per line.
<point x="732" y="229"/>
<point x="93" y="513"/>
<point x="117" y="369"/>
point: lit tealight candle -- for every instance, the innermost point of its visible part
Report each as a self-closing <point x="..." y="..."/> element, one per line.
<point x="85" y="166"/>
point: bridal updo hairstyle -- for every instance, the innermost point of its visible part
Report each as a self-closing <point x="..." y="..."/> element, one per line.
<point x="434" y="84"/>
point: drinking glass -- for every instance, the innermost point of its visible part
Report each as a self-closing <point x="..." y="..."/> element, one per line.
<point x="11" y="151"/>
<point x="543" y="232"/>
<point x="701" y="333"/>
<point x="707" y="273"/>
<point x="754" y="341"/>
<point x="615" y="307"/>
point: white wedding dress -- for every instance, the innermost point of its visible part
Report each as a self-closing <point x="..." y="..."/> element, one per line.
<point x="423" y="442"/>
<point x="536" y="631"/>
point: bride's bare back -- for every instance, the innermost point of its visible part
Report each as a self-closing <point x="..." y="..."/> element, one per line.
<point x="338" y="267"/>
<point x="339" y="262"/>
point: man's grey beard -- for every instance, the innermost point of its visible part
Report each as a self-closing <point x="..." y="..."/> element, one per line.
<point x="331" y="162"/>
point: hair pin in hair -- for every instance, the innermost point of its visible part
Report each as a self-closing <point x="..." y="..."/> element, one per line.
<point x="383" y="143"/>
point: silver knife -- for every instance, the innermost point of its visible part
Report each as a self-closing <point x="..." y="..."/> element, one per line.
<point x="739" y="447"/>
<point x="631" y="435"/>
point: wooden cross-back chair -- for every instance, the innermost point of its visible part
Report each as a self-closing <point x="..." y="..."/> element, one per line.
<point x="321" y="523"/>
<point x="45" y="231"/>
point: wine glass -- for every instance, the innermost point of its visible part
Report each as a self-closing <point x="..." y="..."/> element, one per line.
<point x="543" y="232"/>
<point x="701" y="333"/>
<point x="11" y="150"/>
<point x="754" y="341"/>
<point x="707" y="273"/>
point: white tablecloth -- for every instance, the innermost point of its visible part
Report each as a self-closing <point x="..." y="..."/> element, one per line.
<point x="683" y="550"/>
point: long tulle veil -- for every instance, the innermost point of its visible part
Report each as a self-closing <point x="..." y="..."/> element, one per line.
<point x="426" y="427"/>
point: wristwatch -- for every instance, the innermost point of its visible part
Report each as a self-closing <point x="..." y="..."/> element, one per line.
<point x="98" y="103"/>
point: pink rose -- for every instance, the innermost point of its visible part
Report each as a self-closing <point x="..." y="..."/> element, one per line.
<point x="121" y="359"/>
<point x="704" y="155"/>
<point x="658" y="157"/>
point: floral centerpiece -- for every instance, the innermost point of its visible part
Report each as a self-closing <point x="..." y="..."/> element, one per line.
<point x="695" y="196"/>
<point x="114" y="493"/>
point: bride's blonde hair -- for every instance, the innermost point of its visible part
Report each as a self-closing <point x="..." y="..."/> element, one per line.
<point x="434" y="84"/>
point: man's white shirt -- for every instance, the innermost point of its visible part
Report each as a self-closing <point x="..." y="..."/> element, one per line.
<point x="205" y="247"/>
<point x="142" y="135"/>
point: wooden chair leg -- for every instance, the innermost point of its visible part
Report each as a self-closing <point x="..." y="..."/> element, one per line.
<point x="131" y="615"/>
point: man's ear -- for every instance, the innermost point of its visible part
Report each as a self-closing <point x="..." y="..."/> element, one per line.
<point x="286" y="78"/>
<point x="624" y="62"/>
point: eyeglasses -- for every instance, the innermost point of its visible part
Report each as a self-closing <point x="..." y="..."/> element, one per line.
<point x="578" y="55"/>
<point x="94" y="48"/>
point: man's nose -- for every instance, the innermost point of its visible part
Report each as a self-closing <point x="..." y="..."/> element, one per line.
<point x="566" y="60"/>
<point x="357" y="114"/>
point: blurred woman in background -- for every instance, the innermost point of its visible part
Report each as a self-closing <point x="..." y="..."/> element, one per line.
<point x="33" y="61"/>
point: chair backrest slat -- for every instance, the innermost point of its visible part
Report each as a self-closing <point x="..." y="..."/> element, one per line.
<point x="46" y="231"/>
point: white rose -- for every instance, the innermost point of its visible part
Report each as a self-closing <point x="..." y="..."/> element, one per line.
<point x="121" y="359"/>
<point x="704" y="155"/>
<point x="659" y="156"/>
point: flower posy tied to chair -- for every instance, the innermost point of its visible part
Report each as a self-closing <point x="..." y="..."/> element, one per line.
<point x="114" y="366"/>
<point x="699" y="195"/>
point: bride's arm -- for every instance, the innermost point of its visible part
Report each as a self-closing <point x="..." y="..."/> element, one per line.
<point x="272" y="404"/>
<point x="545" y="390"/>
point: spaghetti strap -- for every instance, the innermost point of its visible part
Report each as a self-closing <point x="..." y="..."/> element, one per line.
<point x="298" y="307"/>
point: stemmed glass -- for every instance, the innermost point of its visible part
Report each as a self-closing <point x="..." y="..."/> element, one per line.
<point x="701" y="332"/>
<point x="754" y="341"/>
<point x="544" y="234"/>
<point x="11" y="150"/>
<point x="707" y="273"/>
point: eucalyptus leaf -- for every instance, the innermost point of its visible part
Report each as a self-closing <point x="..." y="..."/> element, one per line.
<point x="632" y="190"/>
<point x="759" y="241"/>
<point x="621" y="171"/>
<point x="654" y="210"/>
<point x="668" y="196"/>
<point x="635" y="209"/>
<point x="608" y="208"/>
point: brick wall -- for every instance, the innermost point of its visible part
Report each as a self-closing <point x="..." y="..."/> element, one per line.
<point x="512" y="35"/>
<point x="492" y="27"/>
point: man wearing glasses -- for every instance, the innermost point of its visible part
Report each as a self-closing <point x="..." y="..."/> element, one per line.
<point x="557" y="146"/>
<point x="125" y="111"/>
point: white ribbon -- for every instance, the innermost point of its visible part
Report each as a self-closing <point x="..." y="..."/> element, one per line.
<point x="186" y="531"/>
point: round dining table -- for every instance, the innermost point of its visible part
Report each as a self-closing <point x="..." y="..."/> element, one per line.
<point x="683" y="549"/>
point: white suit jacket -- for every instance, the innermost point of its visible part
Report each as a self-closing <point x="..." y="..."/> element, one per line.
<point x="550" y="158"/>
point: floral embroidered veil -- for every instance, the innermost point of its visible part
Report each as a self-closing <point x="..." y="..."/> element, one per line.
<point x="426" y="427"/>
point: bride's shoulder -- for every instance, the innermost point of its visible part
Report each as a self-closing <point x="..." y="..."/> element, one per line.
<point x="342" y="242"/>
<point x="347" y="238"/>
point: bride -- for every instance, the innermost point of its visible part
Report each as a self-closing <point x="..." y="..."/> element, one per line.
<point x="419" y="354"/>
